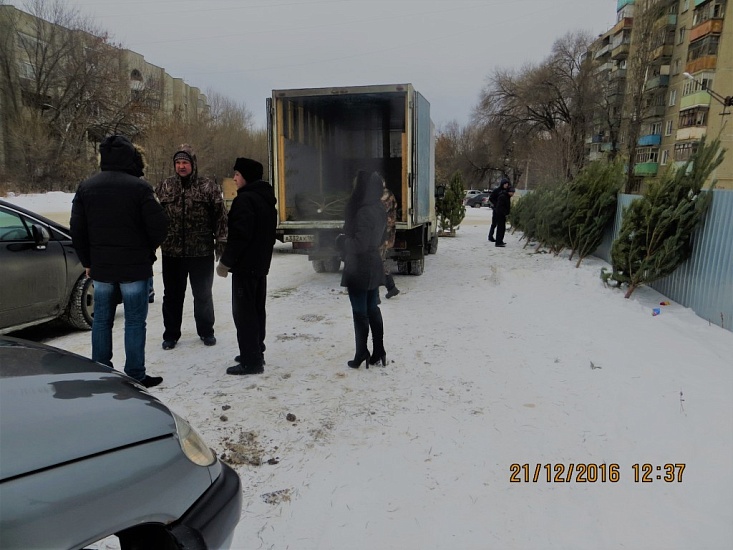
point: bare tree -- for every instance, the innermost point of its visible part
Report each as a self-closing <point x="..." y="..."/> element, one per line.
<point x="638" y="105"/>
<point x="68" y="87"/>
<point x="551" y="101"/>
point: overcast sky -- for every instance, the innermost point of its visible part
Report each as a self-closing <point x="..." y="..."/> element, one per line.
<point x="243" y="49"/>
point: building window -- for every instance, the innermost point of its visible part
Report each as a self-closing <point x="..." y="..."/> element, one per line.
<point x="702" y="48"/>
<point x="685" y="5"/>
<point x="683" y="151"/>
<point x="665" y="156"/>
<point x="26" y="70"/>
<point x="647" y="154"/>
<point x="668" y="129"/>
<point x="656" y="128"/>
<point x="681" y="35"/>
<point x="693" y="117"/>
<point x="677" y="67"/>
<point x="672" y="97"/>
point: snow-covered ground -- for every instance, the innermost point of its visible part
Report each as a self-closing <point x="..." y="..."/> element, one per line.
<point x="498" y="357"/>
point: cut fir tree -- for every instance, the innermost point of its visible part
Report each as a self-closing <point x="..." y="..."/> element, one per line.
<point x="656" y="231"/>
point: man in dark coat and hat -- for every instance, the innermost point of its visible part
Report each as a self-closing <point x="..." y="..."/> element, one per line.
<point x="247" y="255"/>
<point x="501" y="211"/>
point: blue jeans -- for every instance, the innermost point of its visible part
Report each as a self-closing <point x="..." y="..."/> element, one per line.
<point x="135" y="300"/>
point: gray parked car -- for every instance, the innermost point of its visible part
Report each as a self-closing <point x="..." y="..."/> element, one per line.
<point x="86" y="453"/>
<point x="42" y="277"/>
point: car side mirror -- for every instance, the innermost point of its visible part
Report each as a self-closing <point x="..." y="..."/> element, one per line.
<point x="40" y="236"/>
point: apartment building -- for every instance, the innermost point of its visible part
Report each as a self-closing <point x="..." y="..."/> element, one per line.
<point x="687" y="83"/>
<point x="24" y="36"/>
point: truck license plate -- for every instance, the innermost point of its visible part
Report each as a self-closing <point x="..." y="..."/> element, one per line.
<point x="299" y="239"/>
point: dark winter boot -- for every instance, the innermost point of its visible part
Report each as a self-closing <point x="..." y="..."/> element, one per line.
<point x="377" y="326"/>
<point x="392" y="289"/>
<point x="361" y="335"/>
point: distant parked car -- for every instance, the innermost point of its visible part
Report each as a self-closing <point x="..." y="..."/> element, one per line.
<point x="40" y="273"/>
<point x="86" y="453"/>
<point x="476" y="200"/>
<point x="471" y="192"/>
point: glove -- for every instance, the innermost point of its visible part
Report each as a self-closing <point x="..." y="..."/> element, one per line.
<point x="222" y="270"/>
<point x="219" y="249"/>
<point x="340" y="243"/>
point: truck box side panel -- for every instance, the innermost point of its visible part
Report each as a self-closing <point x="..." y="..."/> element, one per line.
<point x="424" y="155"/>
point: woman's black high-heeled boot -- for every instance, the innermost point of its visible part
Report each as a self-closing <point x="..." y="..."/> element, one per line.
<point x="361" y="335"/>
<point x="377" y="326"/>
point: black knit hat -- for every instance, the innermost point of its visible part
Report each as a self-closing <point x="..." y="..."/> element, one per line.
<point x="251" y="170"/>
<point x="182" y="155"/>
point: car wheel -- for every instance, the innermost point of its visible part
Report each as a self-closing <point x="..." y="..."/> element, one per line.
<point x="80" y="309"/>
<point x="476" y="205"/>
<point x="318" y="266"/>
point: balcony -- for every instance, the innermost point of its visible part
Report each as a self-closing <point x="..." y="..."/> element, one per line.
<point x="624" y="24"/>
<point x="701" y="64"/>
<point x="655" y="111"/>
<point x="595" y="155"/>
<point x="661" y="81"/>
<point x="618" y="73"/>
<point x="711" y="26"/>
<point x="650" y="140"/>
<point x="662" y="53"/>
<point x="670" y="20"/>
<point x="693" y="133"/>
<point x="620" y="52"/>
<point x="623" y="3"/>
<point x="646" y="169"/>
<point x="698" y="99"/>
<point x="606" y="67"/>
<point x="602" y="51"/>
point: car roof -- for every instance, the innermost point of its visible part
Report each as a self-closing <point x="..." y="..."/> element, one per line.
<point x="57" y="407"/>
<point x="39" y="217"/>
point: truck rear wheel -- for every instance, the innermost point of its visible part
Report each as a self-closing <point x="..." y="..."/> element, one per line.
<point x="433" y="247"/>
<point x="403" y="267"/>
<point x="318" y="266"/>
<point x="332" y="264"/>
<point x="416" y="266"/>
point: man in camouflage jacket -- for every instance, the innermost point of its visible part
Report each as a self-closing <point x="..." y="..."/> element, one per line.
<point x="197" y="232"/>
<point x="390" y="206"/>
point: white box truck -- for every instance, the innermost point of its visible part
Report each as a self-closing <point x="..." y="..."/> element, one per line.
<point x="320" y="137"/>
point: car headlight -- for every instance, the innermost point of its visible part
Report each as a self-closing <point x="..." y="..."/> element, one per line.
<point x="195" y="449"/>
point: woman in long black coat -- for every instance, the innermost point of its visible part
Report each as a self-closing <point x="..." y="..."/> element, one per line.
<point x="363" y="274"/>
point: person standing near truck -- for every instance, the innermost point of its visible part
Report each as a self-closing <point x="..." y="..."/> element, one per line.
<point x="197" y="233"/>
<point x="390" y="206"/>
<point x="248" y="255"/>
<point x="364" y="223"/>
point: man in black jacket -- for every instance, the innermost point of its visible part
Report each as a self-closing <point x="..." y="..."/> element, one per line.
<point x="116" y="225"/>
<point x="501" y="211"/>
<point x="493" y="197"/>
<point x="248" y="254"/>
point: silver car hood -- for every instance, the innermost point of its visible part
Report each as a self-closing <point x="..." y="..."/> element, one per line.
<point x="58" y="407"/>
